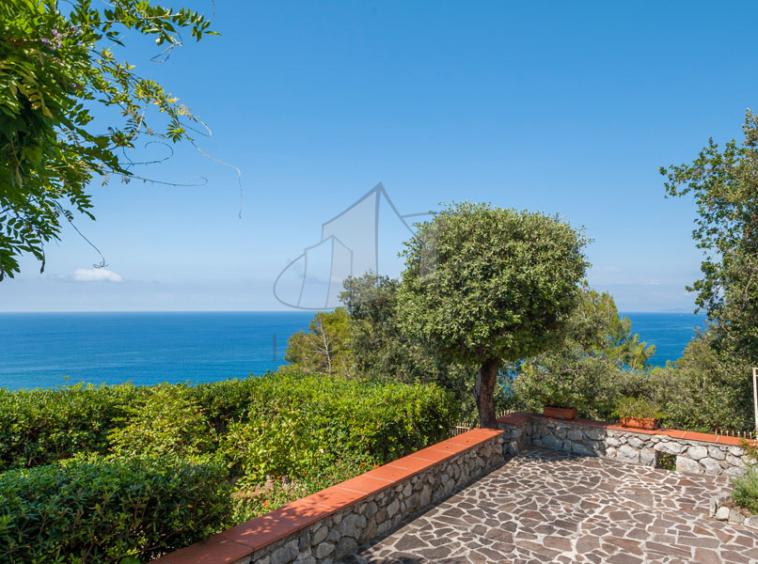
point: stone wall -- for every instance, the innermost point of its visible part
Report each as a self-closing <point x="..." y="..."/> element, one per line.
<point x="330" y="524"/>
<point x="695" y="452"/>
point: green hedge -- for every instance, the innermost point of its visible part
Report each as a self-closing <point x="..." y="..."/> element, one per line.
<point x="43" y="426"/>
<point x="297" y="424"/>
<point x="94" y="510"/>
<point x="93" y="474"/>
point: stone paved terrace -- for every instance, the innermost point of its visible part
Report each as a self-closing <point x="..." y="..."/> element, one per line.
<point x="547" y="506"/>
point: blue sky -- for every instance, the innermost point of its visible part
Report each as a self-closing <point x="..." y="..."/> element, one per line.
<point x="565" y="108"/>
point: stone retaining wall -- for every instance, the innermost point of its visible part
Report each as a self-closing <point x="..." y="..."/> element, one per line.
<point x="330" y="524"/>
<point x="695" y="452"/>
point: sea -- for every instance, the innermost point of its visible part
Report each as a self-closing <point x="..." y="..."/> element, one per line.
<point x="43" y="350"/>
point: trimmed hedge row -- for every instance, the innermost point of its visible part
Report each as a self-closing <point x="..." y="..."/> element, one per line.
<point x="100" y="474"/>
<point x="39" y="427"/>
<point x="91" y="509"/>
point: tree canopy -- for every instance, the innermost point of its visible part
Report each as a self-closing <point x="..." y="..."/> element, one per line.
<point x="324" y="348"/>
<point x="485" y="285"/>
<point x="55" y="66"/>
<point x="381" y="349"/>
<point x="724" y="185"/>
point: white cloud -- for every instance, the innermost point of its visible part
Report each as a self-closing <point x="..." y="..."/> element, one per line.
<point x="96" y="275"/>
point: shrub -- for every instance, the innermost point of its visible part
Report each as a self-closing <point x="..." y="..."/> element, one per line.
<point x="704" y="390"/>
<point x="590" y="384"/>
<point x="93" y="509"/>
<point x="746" y="490"/>
<point x="298" y="424"/>
<point x="44" y="425"/>
<point x="637" y="408"/>
<point x="167" y="421"/>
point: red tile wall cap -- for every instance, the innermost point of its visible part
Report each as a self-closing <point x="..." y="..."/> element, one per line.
<point x="517" y="418"/>
<point x="215" y="550"/>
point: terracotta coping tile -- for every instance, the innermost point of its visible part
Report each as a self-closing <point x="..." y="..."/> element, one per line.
<point x="258" y="532"/>
<point x="365" y="484"/>
<point x="301" y="512"/>
<point x="431" y="454"/>
<point x="465" y="440"/>
<point x="390" y="473"/>
<point x="704" y="437"/>
<point x="215" y="550"/>
<point x="735" y="441"/>
<point x="449" y="449"/>
<point x="335" y="497"/>
<point x="412" y="463"/>
<point x="673" y="433"/>
<point x="482" y="434"/>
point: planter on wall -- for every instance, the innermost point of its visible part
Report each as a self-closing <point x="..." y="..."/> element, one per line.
<point x="567" y="413"/>
<point x="648" y="423"/>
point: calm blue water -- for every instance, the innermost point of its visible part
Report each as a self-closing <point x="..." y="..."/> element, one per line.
<point x="41" y="349"/>
<point x="669" y="332"/>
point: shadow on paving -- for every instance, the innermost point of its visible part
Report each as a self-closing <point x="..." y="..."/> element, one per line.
<point x="549" y="506"/>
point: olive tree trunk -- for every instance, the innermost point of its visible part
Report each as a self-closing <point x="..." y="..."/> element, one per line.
<point x="484" y="391"/>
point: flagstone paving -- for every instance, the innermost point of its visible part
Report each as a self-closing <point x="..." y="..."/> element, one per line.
<point x="546" y="506"/>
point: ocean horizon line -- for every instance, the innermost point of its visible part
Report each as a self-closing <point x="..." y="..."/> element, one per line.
<point x="303" y="311"/>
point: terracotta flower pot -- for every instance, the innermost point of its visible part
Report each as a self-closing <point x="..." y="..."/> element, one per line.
<point x="567" y="413"/>
<point x="639" y="422"/>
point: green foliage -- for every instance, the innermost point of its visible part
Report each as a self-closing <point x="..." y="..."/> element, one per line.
<point x="590" y="384"/>
<point x="298" y="424"/>
<point x="93" y="510"/>
<point x="598" y="361"/>
<point x="167" y="421"/>
<point x="381" y="349"/>
<point x="704" y="390"/>
<point x="666" y="460"/>
<point x="142" y="470"/>
<point x="595" y="329"/>
<point x="484" y="286"/>
<point x="324" y="348"/>
<point x="746" y="490"/>
<point x="44" y="425"/>
<point x="55" y="66"/>
<point x="629" y="407"/>
<point x="723" y="184"/>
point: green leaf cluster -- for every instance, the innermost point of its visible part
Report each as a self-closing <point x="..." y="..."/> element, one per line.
<point x="745" y="492"/>
<point x="382" y="351"/>
<point x="55" y="67"/>
<point x="299" y="423"/>
<point x="638" y="408"/>
<point x="93" y="509"/>
<point x="325" y="347"/>
<point x="598" y="361"/>
<point x="705" y="390"/>
<point x="724" y="186"/>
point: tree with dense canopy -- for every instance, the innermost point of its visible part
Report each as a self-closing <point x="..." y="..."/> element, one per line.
<point x="484" y="286"/>
<point x="55" y="67"/>
<point x="724" y="185"/>
<point x="324" y="348"/>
